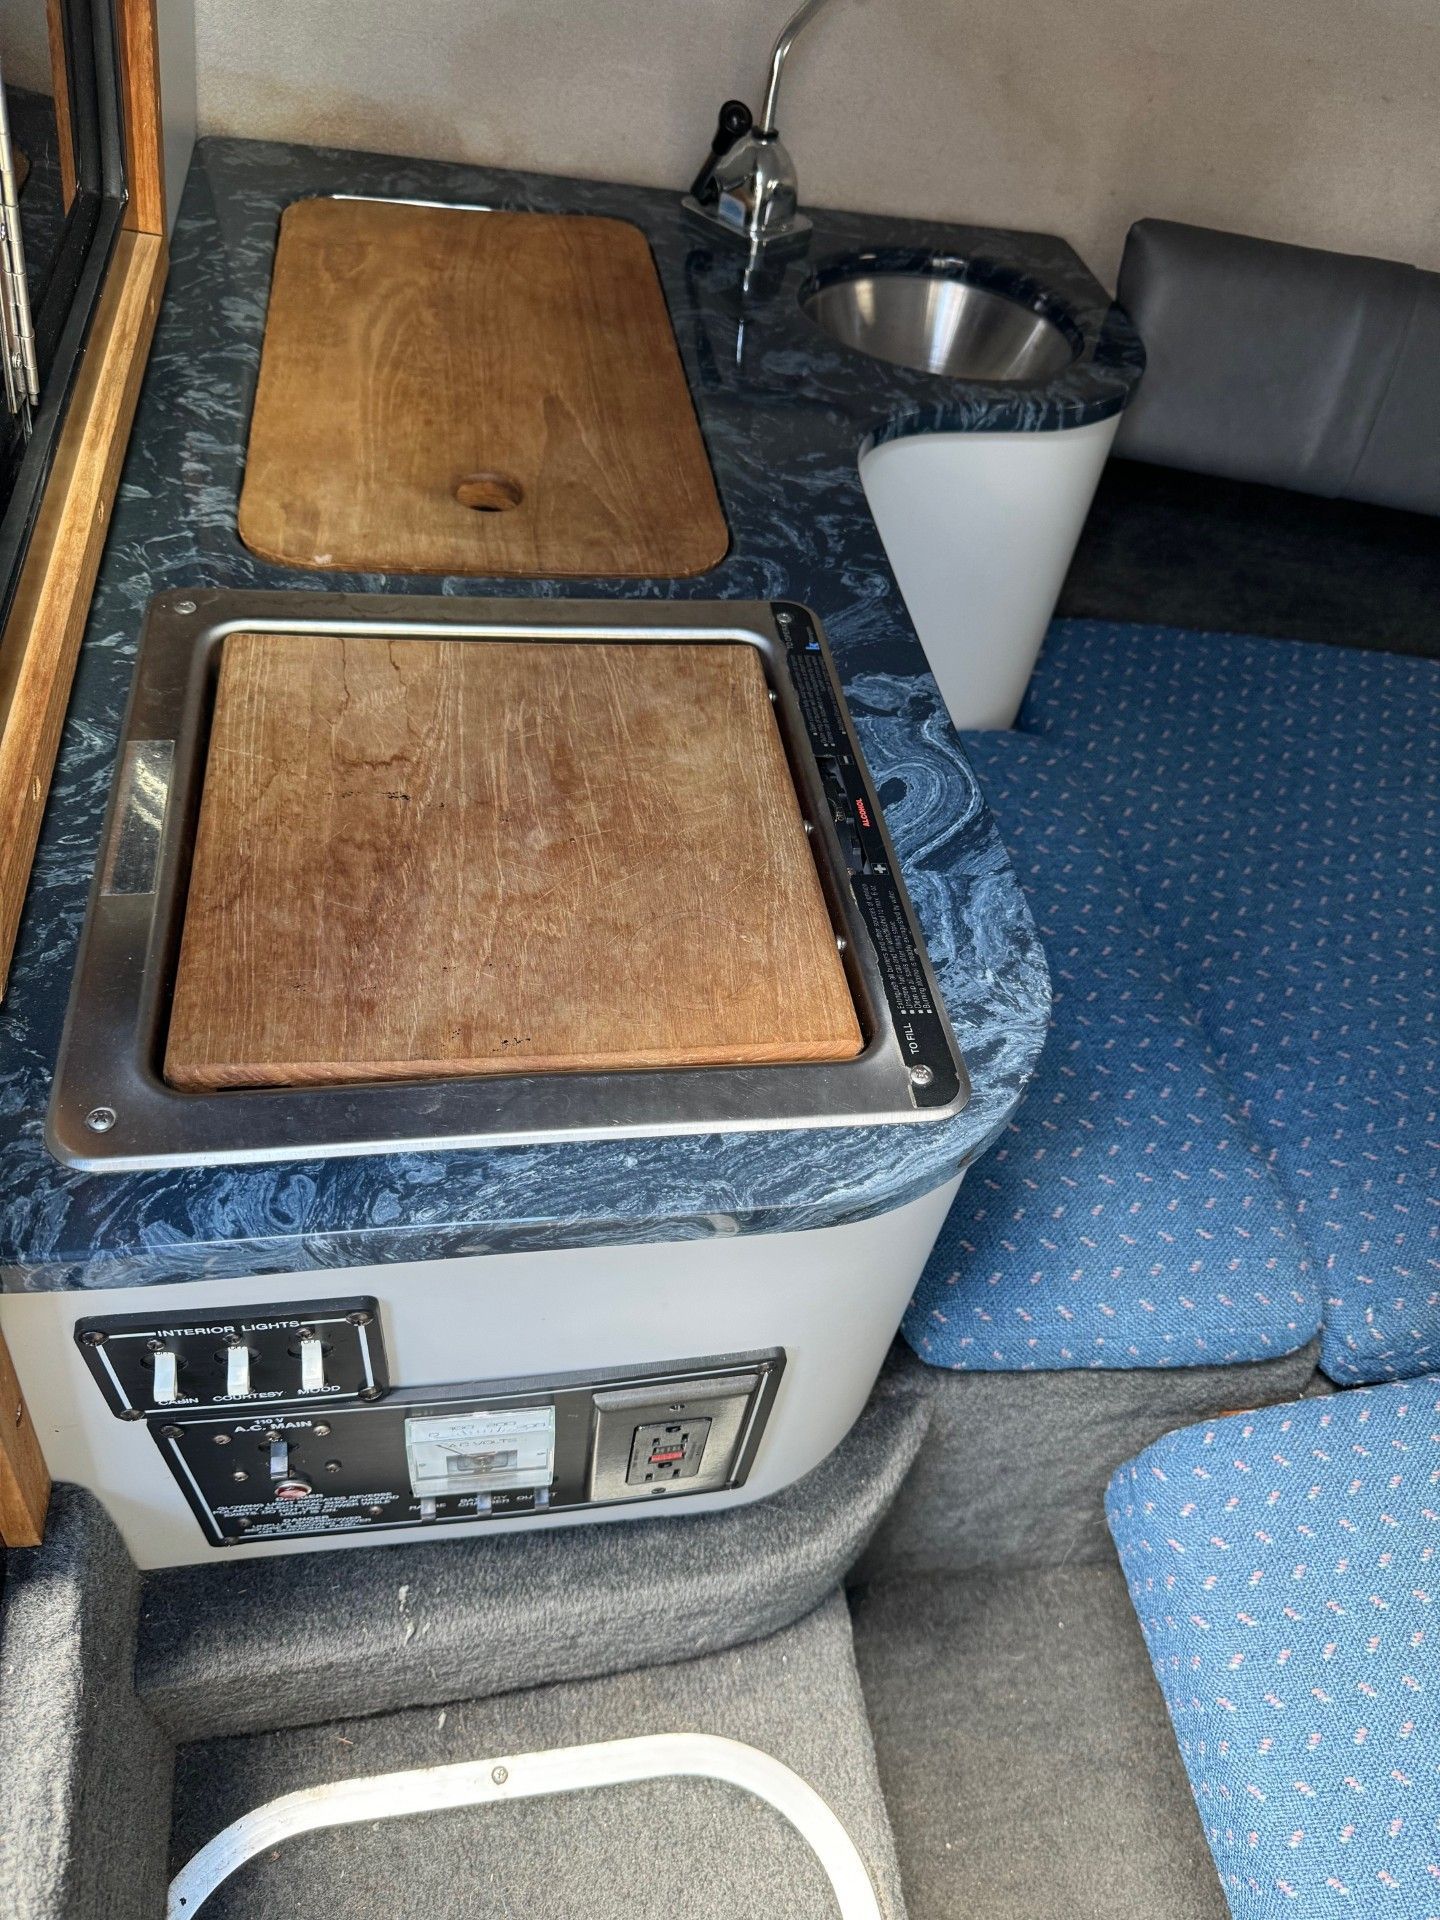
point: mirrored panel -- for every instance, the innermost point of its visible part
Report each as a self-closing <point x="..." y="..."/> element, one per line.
<point x="61" y="196"/>
<point x="44" y="181"/>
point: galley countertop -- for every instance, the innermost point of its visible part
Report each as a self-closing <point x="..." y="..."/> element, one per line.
<point x="784" y="412"/>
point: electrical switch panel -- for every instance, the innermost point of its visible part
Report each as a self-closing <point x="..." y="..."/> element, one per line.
<point x="426" y="1456"/>
<point x="313" y="1351"/>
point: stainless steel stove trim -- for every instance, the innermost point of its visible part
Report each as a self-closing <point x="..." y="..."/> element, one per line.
<point x="528" y="1776"/>
<point x="110" y="1108"/>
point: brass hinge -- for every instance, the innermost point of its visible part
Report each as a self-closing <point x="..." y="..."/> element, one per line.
<point x="17" y="331"/>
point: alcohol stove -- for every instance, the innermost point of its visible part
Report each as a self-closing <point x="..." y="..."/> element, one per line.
<point x="377" y="948"/>
<point x="383" y="875"/>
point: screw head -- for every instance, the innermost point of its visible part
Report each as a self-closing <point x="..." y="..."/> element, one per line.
<point x="154" y="1346"/>
<point x="101" y="1119"/>
<point x="332" y="1466"/>
<point x="921" y="1076"/>
<point x="184" y="606"/>
<point x="94" y="1338"/>
<point x="321" y="1429"/>
<point x="222" y="1439"/>
<point x="499" y="1775"/>
<point x="133" y="1413"/>
<point x="172" y="1433"/>
<point x="239" y="1474"/>
<point x="370" y="1393"/>
<point x="376" y="1513"/>
<point x="360" y="1318"/>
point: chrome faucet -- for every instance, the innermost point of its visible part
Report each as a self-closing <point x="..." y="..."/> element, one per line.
<point x="747" y="187"/>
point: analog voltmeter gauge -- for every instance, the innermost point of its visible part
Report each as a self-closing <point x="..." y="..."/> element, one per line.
<point x="480" y="1451"/>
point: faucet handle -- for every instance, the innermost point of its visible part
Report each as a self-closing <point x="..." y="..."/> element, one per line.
<point x="734" y="123"/>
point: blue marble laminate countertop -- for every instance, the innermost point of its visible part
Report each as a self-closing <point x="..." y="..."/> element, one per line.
<point x="784" y="412"/>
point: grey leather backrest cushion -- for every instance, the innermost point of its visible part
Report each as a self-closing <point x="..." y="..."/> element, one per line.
<point x="1318" y="371"/>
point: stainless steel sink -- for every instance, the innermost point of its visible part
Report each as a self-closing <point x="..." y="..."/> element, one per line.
<point x="936" y="320"/>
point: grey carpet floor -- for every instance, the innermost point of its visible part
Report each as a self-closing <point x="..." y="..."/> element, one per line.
<point x="1026" y="1758"/>
<point x="1226" y="556"/>
<point x="686" y="1850"/>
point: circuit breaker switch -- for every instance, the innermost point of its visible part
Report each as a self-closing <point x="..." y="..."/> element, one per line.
<point x="279" y="1459"/>
<point x="167" y="1379"/>
<point x="237" y="1370"/>
<point x="312" y="1364"/>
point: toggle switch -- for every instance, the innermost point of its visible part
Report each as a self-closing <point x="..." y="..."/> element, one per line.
<point x="312" y="1364"/>
<point x="287" y="1485"/>
<point x="312" y="1351"/>
<point x="237" y="1370"/>
<point x="167" y="1382"/>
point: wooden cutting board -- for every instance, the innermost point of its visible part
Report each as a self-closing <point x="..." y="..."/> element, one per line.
<point x="455" y="392"/>
<point x="421" y="858"/>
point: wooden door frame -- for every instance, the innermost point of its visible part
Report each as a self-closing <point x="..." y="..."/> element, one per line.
<point x="41" y="639"/>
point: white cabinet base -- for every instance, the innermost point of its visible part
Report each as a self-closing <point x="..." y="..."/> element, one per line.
<point x="830" y="1297"/>
<point x="980" y="529"/>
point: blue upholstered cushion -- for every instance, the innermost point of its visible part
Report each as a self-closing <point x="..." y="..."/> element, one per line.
<point x="1277" y="807"/>
<point x="1285" y="1566"/>
<point x="1126" y="1218"/>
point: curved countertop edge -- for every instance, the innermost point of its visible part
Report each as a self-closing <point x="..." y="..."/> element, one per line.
<point x="341" y="1249"/>
<point x="784" y="417"/>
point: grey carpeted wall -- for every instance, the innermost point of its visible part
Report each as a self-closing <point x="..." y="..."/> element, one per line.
<point x="232" y="1647"/>
<point x="1013" y="1472"/>
<point x="410" y="1640"/>
<point x="996" y="1647"/>
<point x="85" y="1773"/>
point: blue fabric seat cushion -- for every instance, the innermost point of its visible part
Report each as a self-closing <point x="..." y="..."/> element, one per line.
<point x="1277" y="808"/>
<point x="1285" y="1567"/>
<point x="1127" y="1217"/>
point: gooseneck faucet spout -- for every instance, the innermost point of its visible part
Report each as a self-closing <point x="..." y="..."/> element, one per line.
<point x="788" y="35"/>
<point x="747" y="188"/>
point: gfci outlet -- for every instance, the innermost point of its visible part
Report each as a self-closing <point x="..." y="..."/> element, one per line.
<point x="688" y="1438"/>
<point x="671" y="1450"/>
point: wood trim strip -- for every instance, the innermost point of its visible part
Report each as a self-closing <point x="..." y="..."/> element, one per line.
<point x="42" y="637"/>
<point x="144" y="133"/>
<point x="139" y="57"/>
<point x="24" y="1478"/>
<point x="60" y="81"/>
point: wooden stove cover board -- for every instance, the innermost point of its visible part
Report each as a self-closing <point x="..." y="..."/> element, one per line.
<point x="437" y="858"/>
<point x="527" y="357"/>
